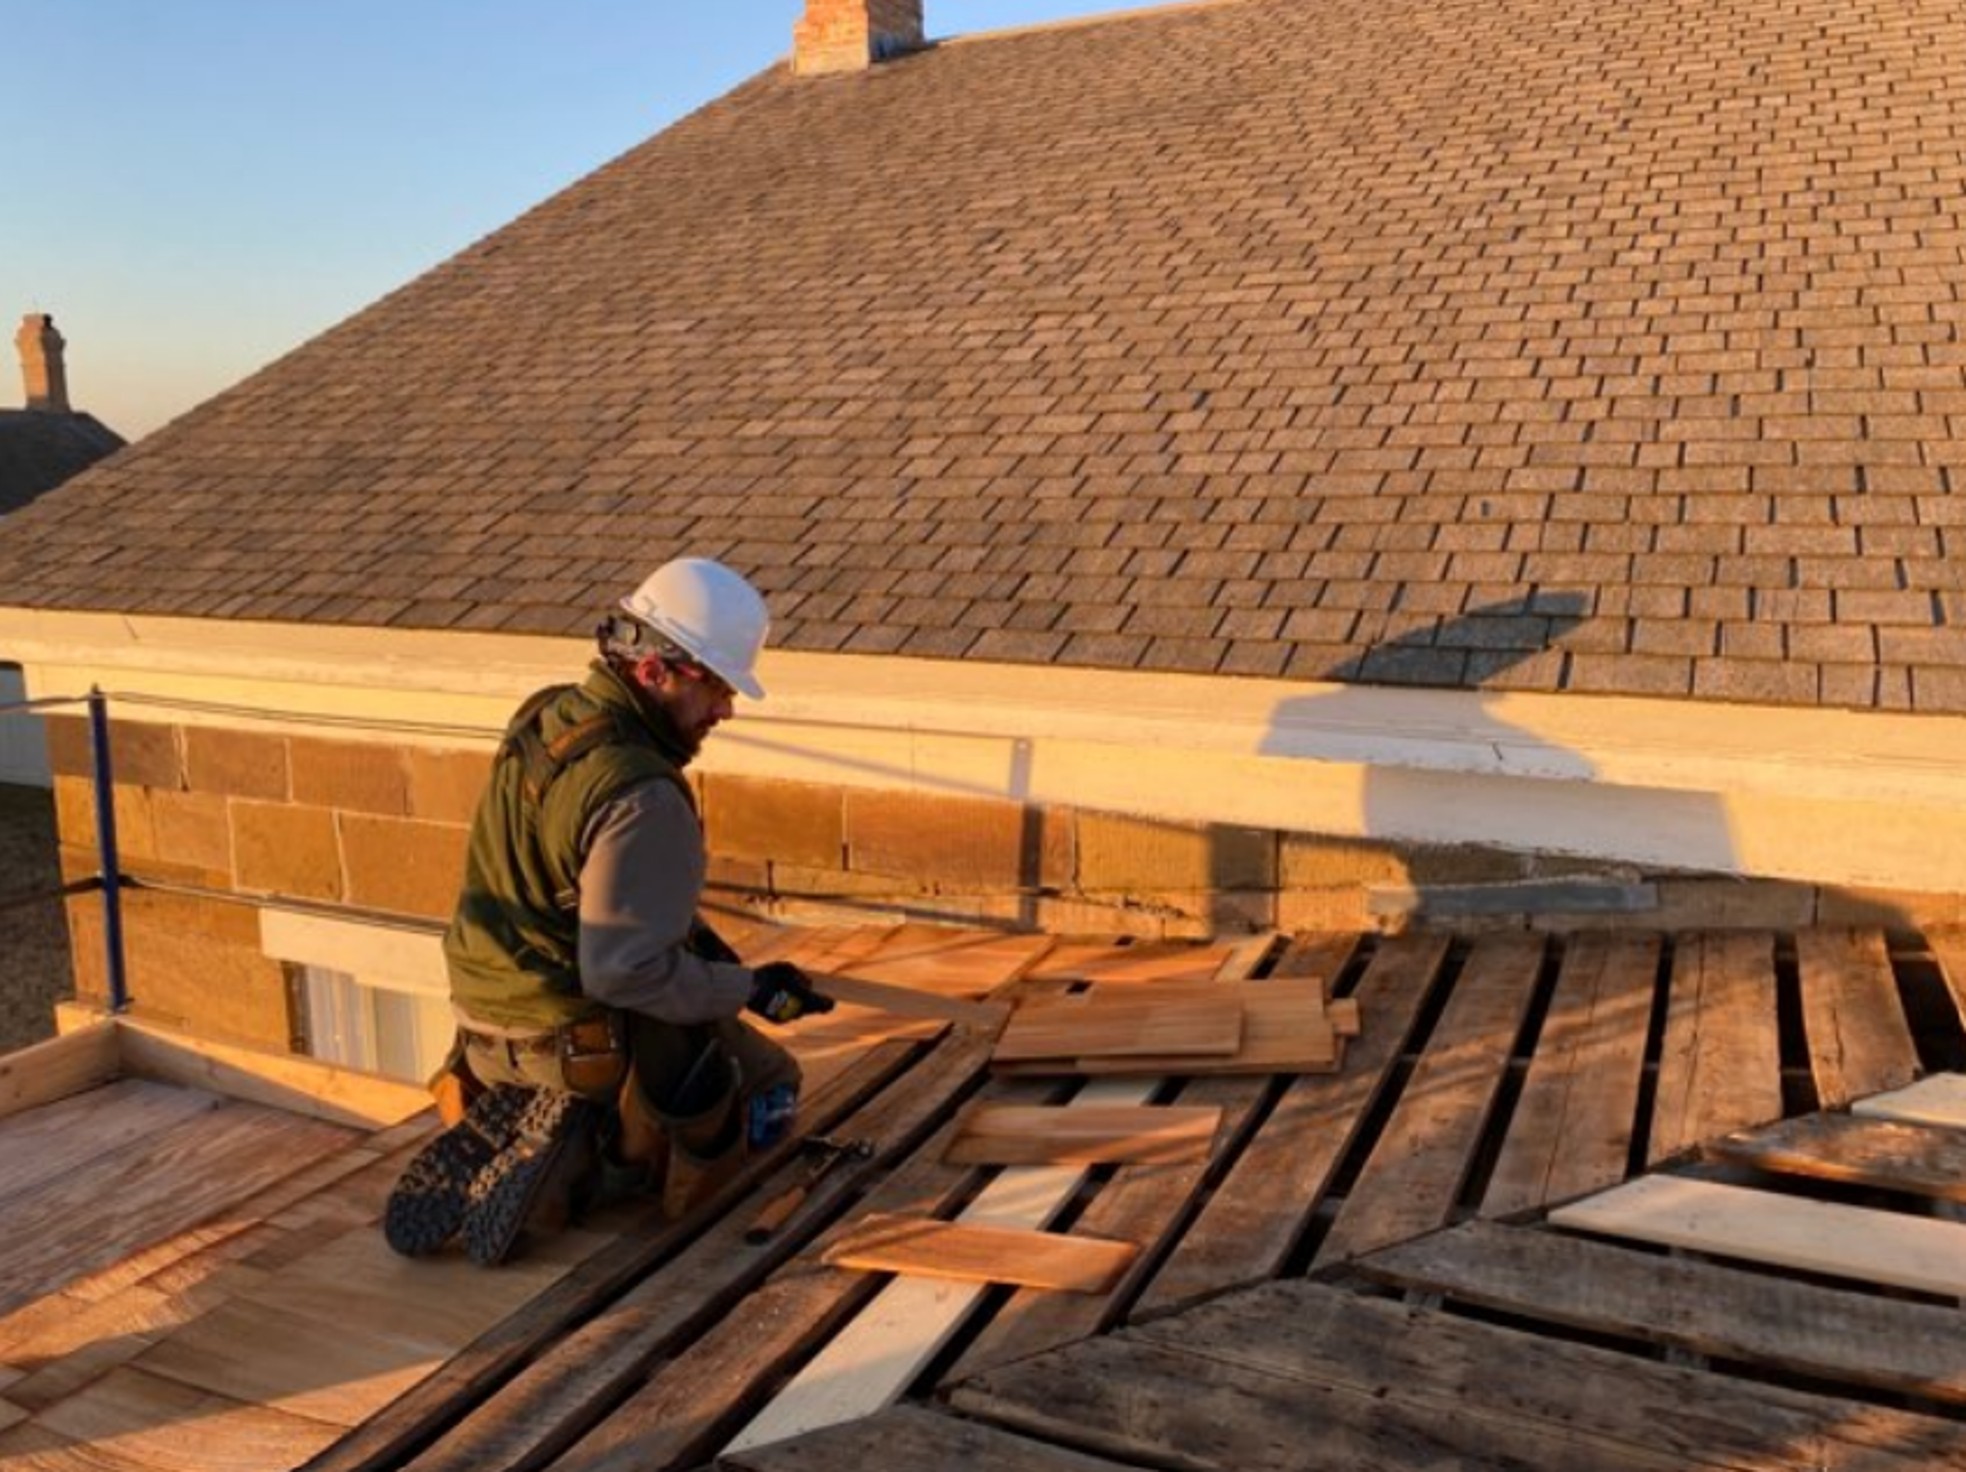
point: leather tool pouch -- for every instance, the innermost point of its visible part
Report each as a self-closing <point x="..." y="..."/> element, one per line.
<point x="453" y="1085"/>
<point x="594" y="1057"/>
<point x="706" y="1131"/>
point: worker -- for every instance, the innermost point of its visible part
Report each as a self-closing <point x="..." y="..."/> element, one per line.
<point x="599" y="1049"/>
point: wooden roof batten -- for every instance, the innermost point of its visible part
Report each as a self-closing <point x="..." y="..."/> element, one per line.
<point x="1497" y="1077"/>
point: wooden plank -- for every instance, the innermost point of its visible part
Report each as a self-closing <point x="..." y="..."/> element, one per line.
<point x="921" y="1247"/>
<point x="1949" y="950"/>
<point x="281" y="1081"/>
<point x="953" y="962"/>
<point x="1100" y="1028"/>
<point x="1411" y="1179"/>
<point x="1285" y="1029"/>
<point x="150" y="1190"/>
<point x="865" y="1368"/>
<point x="44" y="1072"/>
<point x="1147" y="961"/>
<point x="1687" y="1304"/>
<point x="690" y="1405"/>
<point x="1859" y="1040"/>
<point x="829" y="1046"/>
<point x="1939" y="1100"/>
<point x="385" y="1439"/>
<point x="574" y="1382"/>
<point x="142" y="1421"/>
<point x="1010" y="1134"/>
<point x="1405" y="1354"/>
<point x="1319" y="956"/>
<point x="261" y="1356"/>
<point x="1572" y="1128"/>
<point x="1720" y="1068"/>
<point x="1782" y="1231"/>
<point x="1144" y="1202"/>
<point x="904" y="1436"/>
<point x="72" y="1133"/>
<point x="1259" y="1210"/>
<point x="906" y="1001"/>
<point x="1918" y="1159"/>
<point x="434" y="1303"/>
<point x="1158" y="1405"/>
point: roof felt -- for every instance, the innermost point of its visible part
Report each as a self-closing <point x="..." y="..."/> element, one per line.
<point x="39" y="450"/>
<point x="1258" y="338"/>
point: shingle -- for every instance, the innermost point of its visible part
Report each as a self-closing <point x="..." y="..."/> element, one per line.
<point x="1231" y="314"/>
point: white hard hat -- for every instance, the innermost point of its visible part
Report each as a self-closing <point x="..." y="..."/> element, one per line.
<point x="708" y="611"/>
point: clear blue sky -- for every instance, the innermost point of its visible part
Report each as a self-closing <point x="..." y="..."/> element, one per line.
<point x="195" y="186"/>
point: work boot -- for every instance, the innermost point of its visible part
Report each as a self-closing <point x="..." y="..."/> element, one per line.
<point x="428" y="1204"/>
<point x="532" y="1182"/>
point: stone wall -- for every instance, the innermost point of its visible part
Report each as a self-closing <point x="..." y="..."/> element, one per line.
<point x="256" y="816"/>
<point x="381" y="828"/>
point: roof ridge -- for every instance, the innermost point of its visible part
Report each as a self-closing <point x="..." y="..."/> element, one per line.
<point x="1081" y="22"/>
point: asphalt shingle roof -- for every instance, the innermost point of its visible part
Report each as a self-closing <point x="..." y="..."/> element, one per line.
<point x="39" y="450"/>
<point x="1625" y="338"/>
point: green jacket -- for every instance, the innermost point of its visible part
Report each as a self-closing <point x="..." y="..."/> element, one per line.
<point x="513" y="945"/>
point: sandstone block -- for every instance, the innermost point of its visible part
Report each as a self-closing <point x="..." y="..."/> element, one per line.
<point x="1733" y="904"/>
<point x="1315" y="861"/>
<point x="191" y="828"/>
<point x="1888" y="909"/>
<point x="445" y="786"/>
<point x="958" y="841"/>
<point x="774" y="821"/>
<point x="280" y="848"/>
<point x="141" y="753"/>
<point x="1118" y="854"/>
<point x="402" y="866"/>
<point x="350" y="776"/>
<point x="1342" y="908"/>
<point x="236" y="763"/>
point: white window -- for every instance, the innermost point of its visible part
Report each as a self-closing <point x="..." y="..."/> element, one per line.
<point x="399" y="1034"/>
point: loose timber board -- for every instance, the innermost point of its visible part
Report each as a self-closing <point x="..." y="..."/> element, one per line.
<point x="1302" y="1375"/>
<point x="1141" y="1023"/>
<point x="1938" y="1100"/>
<point x="871" y="1362"/>
<point x="1685" y="1303"/>
<point x="1412" y="1178"/>
<point x="1720" y="1065"/>
<point x="966" y="1253"/>
<point x="1923" y="1160"/>
<point x="1259" y="1211"/>
<point x="1572" y="1128"/>
<point x="1859" y="1041"/>
<point x="1012" y="1134"/>
<point x="1781" y="1231"/>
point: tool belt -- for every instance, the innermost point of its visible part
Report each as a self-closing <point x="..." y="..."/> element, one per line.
<point x="592" y="1053"/>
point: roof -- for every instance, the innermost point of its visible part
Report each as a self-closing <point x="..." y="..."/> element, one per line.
<point x="39" y="450"/>
<point x="1245" y="338"/>
<point x="237" y="1308"/>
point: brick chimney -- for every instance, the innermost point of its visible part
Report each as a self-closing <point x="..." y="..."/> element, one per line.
<point x="851" y="35"/>
<point x="40" y="363"/>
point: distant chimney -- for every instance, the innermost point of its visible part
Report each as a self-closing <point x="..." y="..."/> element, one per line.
<point x="40" y="363"/>
<point x="851" y="35"/>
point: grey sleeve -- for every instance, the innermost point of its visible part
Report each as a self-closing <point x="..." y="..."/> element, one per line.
<point x="639" y="887"/>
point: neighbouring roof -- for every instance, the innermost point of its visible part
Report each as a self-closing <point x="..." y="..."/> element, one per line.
<point x="39" y="450"/>
<point x="1594" y="346"/>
